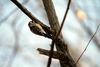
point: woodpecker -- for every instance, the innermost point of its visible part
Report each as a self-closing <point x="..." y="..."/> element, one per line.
<point x="36" y="28"/>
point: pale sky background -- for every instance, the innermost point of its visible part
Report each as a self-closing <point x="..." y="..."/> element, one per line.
<point x="14" y="32"/>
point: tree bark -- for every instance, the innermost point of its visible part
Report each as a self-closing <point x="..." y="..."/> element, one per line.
<point x="54" y="23"/>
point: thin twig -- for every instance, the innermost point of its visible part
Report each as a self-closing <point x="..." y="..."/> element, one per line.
<point x="32" y="17"/>
<point x="87" y="44"/>
<point x="29" y="14"/>
<point x="74" y="8"/>
<point x="53" y="41"/>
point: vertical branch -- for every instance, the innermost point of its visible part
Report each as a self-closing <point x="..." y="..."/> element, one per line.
<point x="58" y="33"/>
<point x="54" y="23"/>
<point x="52" y="17"/>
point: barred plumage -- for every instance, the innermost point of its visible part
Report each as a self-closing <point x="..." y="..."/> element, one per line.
<point x="38" y="29"/>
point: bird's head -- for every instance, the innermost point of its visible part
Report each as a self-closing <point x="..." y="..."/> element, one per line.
<point x="31" y="24"/>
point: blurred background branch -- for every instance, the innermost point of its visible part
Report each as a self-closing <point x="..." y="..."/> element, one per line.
<point x="18" y="45"/>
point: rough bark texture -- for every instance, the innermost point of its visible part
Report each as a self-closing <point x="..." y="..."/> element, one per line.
<point x="54" y="23"/>
<point x="62" y="49"/>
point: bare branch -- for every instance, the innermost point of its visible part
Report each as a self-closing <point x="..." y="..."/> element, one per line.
<point x="56" y="54"/>
<point x="53" y="21"/>
<point x="87" y="44"/>
<point x="55" y="26"/>
<point x="74" y="8"/>
<point x="29" y="14"/>
<point x="58" y="33"/>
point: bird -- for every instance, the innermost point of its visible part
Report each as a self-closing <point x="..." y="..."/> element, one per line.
<point x="36" y="28"/>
